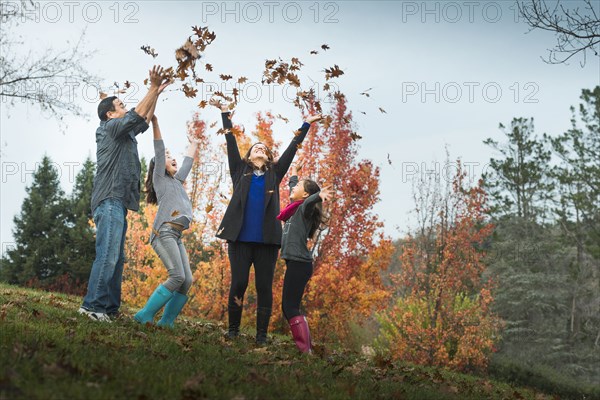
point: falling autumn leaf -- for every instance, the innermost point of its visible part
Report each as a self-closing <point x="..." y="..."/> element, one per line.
<point x="382" y="110"/>
<point x="150" y="51"/>
<point x="270" y="63"/>
<point x="175" y="213"/>
<point x="282" y="118"/>
<point x="242" y="79"/>
<point x="209" y="208"/>
<point x="325" y="47"/>
<point x="208" y="67"/>
<point x="318" y="107"/>
<point x="314" y="52"/>
<point x="355" y="136"/>
<point x="333" y="72"/>
<point x="225" y="77"/>
<point x="202" y="104"/>
<point x="189" y="91"/>
<point x="212" y="125"/>
<point x="293" y="79"/>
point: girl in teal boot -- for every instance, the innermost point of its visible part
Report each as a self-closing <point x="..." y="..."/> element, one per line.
<point x="164" y="186"/>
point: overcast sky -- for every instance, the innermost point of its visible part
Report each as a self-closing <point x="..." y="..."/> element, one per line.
<point x="447" y="73"/>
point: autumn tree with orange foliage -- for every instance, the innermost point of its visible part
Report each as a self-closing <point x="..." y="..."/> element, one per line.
<point x="351" y="253"/>
<point x="441" y="315"/>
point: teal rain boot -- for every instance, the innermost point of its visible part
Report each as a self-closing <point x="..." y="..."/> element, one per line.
<point x="172" y="309"/>
<point x="158" y="299"/>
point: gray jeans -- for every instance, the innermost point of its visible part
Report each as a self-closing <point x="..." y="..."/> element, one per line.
<point x="172" y="253"/>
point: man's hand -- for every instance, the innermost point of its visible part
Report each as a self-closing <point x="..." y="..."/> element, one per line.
<point x="156" y="76"/>
<point x="326" y="194"/>
<point x="314" y="118"/>
<point x="165" y="82"/>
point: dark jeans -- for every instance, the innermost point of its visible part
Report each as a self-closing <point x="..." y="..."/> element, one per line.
<point x="241" y="256"/>
<point x="104" y="287"/>
<point x="297" y="275"/>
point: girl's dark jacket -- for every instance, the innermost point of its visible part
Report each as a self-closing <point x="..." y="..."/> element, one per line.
<point x="241" y="175"/>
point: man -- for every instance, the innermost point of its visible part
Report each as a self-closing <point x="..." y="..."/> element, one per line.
<point x="116" y="190"/>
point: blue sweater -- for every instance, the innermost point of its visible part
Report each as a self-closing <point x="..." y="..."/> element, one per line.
<point x="254" y="212"/>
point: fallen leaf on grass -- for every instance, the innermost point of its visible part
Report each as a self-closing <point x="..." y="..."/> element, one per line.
<point x="256" y="377"/>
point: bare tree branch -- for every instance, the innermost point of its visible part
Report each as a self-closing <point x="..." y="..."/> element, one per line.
<point x="48" y="80"/>
<point x="576" y="32"/>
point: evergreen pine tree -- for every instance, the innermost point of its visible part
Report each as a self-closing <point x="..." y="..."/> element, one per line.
<point x="39" y="231"/>
<point x="79" y="253"/>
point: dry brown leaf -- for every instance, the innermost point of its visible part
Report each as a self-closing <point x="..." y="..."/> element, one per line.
<point x="150" y="51"/>
<point x="333" y="72"/>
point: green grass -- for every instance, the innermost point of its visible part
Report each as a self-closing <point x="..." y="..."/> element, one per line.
<point x="48" y="351"/>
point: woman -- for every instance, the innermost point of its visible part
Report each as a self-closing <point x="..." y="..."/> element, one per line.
<point x="164" y="186"/>
<point x="250" y="223"/>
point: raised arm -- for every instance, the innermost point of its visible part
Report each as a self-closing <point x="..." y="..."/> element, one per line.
<point x="158" y="82"/>
<point x="233" y="152"/>
<point x="294" y="178"/>
<point x="282" y="166"/>
<point x="188" y="161"/>
<point x="293" y="181"/>
<point x="163" y="85"/>
<point x="137" y="118"/>
<point x="311" y="201"/>
<point x="159" y="151"/>
<point x="309" y="204"/>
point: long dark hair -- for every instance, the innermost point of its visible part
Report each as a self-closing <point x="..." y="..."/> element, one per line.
<point x="150" y="192"/>
<point x="317" y="219"/>
<point x="267" y="165"/>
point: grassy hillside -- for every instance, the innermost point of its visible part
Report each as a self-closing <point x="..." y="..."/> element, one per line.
<point x="47" y="351"/>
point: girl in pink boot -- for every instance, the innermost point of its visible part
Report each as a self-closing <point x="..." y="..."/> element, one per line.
<point x="302" y="217"/>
